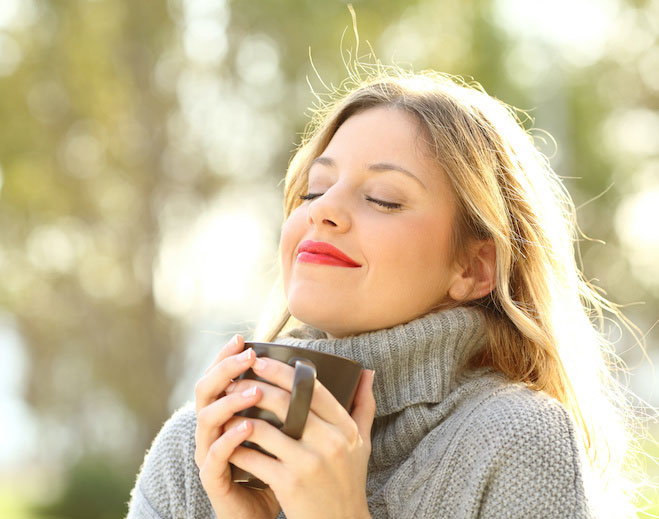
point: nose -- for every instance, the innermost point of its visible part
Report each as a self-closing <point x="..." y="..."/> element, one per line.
<point x="330" y="210"/>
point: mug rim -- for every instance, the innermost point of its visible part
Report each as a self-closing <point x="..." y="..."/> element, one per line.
<point x="305" y="350"/>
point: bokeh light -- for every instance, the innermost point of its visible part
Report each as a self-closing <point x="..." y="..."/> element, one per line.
<point x="142" y="153"/>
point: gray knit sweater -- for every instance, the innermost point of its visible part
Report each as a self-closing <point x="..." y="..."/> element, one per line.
<point x="445" y="443"/>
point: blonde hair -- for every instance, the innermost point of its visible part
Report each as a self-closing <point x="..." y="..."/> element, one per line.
<point x="540" y="315"/>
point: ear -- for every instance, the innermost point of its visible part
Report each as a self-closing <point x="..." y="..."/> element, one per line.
<point x="478" y="277"/>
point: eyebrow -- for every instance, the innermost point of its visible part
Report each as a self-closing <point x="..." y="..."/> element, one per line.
<point x="379" y="166"/>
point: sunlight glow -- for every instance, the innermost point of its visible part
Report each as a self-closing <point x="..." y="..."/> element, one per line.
<point x="257" y="60"/>
<point x="204" y="36"/>
<point x="10" y="55"/>
<point x="636" y="224"/>
<point x="635" y="131"/>
<point x="217" y="265"/>
<point x="18" y="431"/>
<point x="580" y="29"/>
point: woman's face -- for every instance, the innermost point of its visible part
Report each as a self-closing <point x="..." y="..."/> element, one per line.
<point x="376" y="195"/>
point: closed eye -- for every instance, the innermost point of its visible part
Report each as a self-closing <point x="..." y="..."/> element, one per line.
<point x="387" y="205"/>
<point x="310" y="196"/>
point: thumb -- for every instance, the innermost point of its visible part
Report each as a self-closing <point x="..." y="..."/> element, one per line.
<point x="363" y="410"/>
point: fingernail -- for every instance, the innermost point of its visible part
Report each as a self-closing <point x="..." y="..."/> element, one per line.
<point x="249" y="392"/>
<point x="230" y="388"/>
<point x="246" y="355"/>
<point x="242" y="426"/>
<point x="260" y="364"/>
<point x="231" y="343"/>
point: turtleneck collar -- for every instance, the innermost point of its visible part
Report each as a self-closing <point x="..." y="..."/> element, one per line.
<point x="415" y="362"/>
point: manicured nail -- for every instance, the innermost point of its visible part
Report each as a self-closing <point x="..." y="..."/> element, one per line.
<point x="246" y="355"/>
<point x="230" y="344"/>
<point x="249" y="392"/>
<point x="243" y="426"/>
<point x="260" y="364"/>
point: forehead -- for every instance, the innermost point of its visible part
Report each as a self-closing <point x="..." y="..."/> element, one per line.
<point x="383" y="128"/>
<point x="386" y="134"/>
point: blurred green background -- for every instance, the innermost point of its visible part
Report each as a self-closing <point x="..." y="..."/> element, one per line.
<point x="142" y="145"/>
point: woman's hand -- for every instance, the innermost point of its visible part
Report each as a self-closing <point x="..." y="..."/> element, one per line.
<point x="323" y="474"/>
<point x="218" y="434"/>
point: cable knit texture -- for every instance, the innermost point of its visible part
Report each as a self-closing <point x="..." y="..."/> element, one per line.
<point x="447" y="442"/>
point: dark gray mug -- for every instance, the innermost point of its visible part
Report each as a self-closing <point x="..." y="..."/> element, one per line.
<point x="338" y="374"/>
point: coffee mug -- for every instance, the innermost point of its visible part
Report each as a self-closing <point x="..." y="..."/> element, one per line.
<point x="338" y="374"/>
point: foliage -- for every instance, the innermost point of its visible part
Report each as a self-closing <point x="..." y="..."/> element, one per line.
<point x="122" y="120"/>
<point x="94" y="487"/>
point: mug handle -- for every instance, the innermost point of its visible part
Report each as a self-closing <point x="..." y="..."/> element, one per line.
<point x="298" y="409"/>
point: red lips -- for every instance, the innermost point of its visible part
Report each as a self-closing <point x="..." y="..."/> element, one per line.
<point x="325" y="254"/>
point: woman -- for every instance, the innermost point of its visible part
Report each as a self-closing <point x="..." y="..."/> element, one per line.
<point x="427" y="238"/>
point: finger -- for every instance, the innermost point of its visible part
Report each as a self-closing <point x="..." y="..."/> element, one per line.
<point x="215" y="472"/>
<point x="212" y="419"/>
<point x="323" y="402"/>
<point x="363" y="410"/>
<point x="264" y="467"/>
<point x="232" y="347"/>
<point x="211" y="386"/>
<point x="271" y="439"/>
<point x="273" y="399"/>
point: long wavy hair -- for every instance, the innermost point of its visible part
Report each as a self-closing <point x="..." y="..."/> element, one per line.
<point x="544" y="318"/>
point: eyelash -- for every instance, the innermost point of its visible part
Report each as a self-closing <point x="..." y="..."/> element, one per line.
<point x="391" y="206"/>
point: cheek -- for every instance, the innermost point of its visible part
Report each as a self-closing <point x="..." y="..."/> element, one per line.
<point x="291" y="234"/>
<point x="421" y="248"/>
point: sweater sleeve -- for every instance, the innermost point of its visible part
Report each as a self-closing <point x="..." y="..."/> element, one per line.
<point x="168" y="485"/>
<point x="514" y="455"/>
